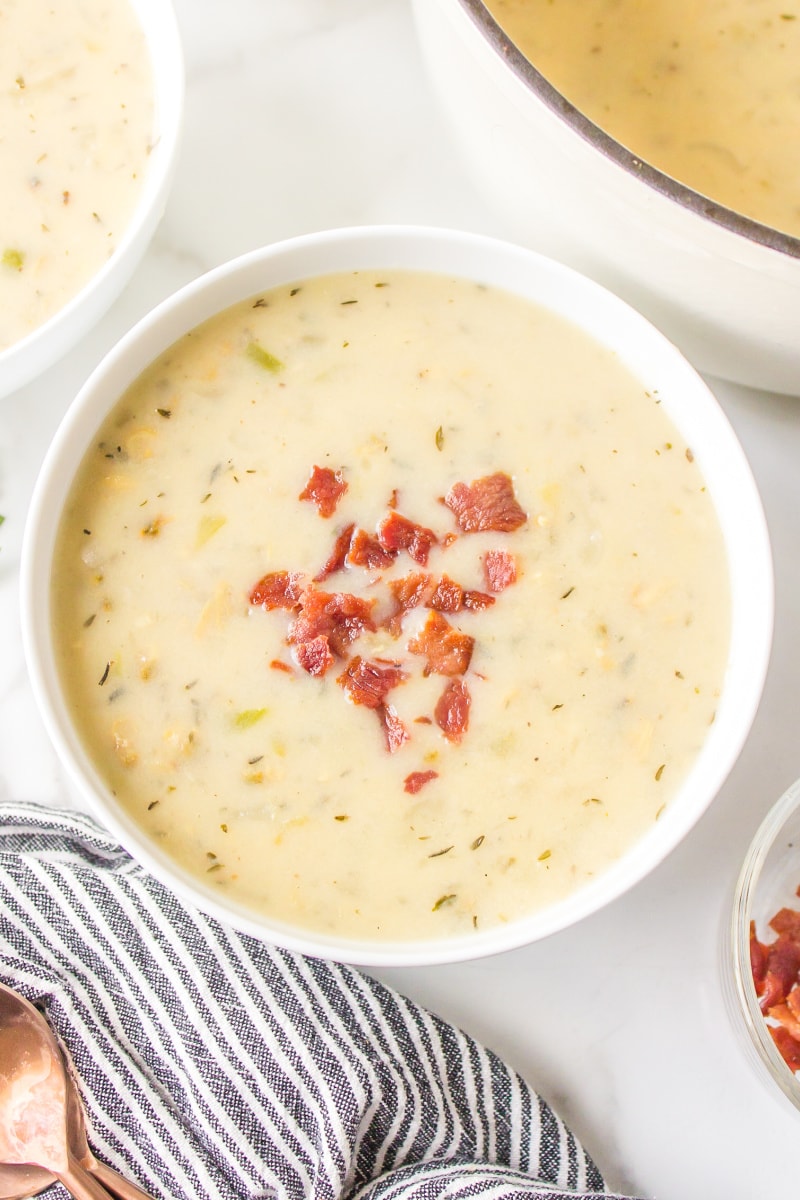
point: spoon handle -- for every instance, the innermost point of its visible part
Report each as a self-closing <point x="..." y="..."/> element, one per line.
<point x="116" y="1184"/>
<point x="79" y="1183"/>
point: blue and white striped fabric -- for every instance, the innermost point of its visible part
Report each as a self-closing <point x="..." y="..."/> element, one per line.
<point x="215" y="1066"/>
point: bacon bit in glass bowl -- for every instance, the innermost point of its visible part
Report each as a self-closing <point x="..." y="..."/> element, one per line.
<point x="763" y="987"/>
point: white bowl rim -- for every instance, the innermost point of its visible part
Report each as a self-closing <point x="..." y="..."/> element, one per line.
<point x="167" y="322"/>
<point x="166" y="52"/>
<point x="702" y="206"/>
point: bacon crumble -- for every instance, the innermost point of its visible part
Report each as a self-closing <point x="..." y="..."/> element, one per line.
<point x="452" y="710"/>
<point x="500" y="570"/>
<point x="323" y="625"/>
<point x="277" y="664"/>
<point x="325" y="488"/>
<point x="314" y="655"/>
<point x="337" y="617"/>
<point x="394" y="730"/>
<point x="775" y="968"/>
<point x="369" y="682"/>
<point x="450" y="597"/>
<point x="396" y="533"/>
<point x="488" y="503"/>
<point x="448" y="651"/>
<point x="336" y="559"/>
<point x="407" y="593"/>
<point x="366" y="550"/>
<point x="278" y="589"/>
<point x="416" y="781"/>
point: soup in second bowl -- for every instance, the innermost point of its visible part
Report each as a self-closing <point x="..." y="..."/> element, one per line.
<point x="76" y="123"/>
<point x="391" y="605"/>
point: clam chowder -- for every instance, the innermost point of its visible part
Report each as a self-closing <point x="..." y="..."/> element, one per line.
<point x="707" y="93"/>
<point x="391" y="605"/>
<point x="76" y="122"/>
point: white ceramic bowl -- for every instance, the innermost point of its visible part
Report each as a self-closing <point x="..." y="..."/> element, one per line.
<point x="722" y="287"/>
<point x="650" y="357"/>
<point x="24" y="360"/>
<point x="768" y="882"/>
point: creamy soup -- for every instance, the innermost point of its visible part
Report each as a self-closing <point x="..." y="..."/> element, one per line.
<point x="76" y="122"/>
<point x="707" y="92"/>
<point x="391" y="605"/>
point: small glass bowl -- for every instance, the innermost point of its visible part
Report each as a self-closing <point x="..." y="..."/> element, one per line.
<point x="768" y="881"/>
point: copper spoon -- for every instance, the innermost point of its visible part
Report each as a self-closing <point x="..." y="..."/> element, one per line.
<point x="33" y="1100"/>
<point x="112" y="1181"/>
<point x="42" y="1133"/>
<point x="17" y="1182"/>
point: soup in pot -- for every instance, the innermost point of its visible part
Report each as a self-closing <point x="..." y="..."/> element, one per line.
<point x="708" y="93"/>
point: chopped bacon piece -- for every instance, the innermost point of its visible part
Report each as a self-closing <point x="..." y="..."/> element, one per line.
<point x="793" y="1001"/>
<point x="278" y="664"/>
<point x="448" y="651"/>
<point x="407" y="592"/>
<point x="314" y="655"/>
<point x="366" y="551"/>
<point x="477" y="601"/>
<point x="787" y="922"/>
<point x="278" y="589"/>
<point x="784" y="1015"/>
<point x="788" y="1047"/>
<point x="323" y="625"/>
<point x="759" y="956"/>
<point x="776" y="976"/>
<point x="326" y="488"/>
<point x="396" y="532"/>
<point x="783" y="964"/>
<point x="336" y="558"/>
<point x="487" y="503"/>
<point x="394" y="730"/>
<point x="414" y="782"/>
<point x="500" y="569"/>
<point x="452" y="710"/>
<point x="369" y="682"/>
<point x="450" y="597"/>
<point x="447" y="596"/>
<point x="337" y="616"/>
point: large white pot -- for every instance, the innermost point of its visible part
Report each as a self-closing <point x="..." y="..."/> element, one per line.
<point x="725" y="289"/>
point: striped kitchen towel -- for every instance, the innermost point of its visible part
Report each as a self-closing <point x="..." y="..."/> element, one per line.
<point x="216" y="1066"/>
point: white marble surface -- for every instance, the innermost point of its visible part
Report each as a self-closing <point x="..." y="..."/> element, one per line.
<point x="305" y="114"/>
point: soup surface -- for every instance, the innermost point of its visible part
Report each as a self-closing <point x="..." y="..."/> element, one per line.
<point x="76" y="121"/>
<point x="391" y="604"/>
<point x="709" y="93"/>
